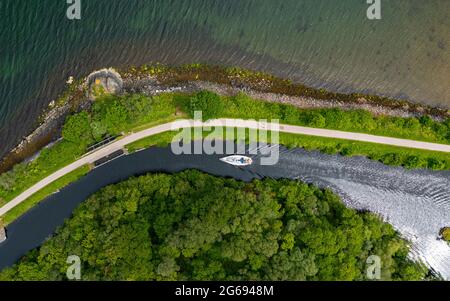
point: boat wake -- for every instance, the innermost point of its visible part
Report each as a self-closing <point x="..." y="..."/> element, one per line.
<point x="415" y="202"/>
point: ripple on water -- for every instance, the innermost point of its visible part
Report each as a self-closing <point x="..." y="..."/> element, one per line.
<point x="415" y="202"/>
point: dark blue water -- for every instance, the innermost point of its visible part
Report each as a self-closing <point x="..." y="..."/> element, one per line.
<point x="416" y="203"/>
<point x="323" y="43"/>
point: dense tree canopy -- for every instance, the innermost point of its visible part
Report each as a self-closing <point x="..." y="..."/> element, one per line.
<point x="77" y="128"/>
<point x="193" y="226"/>
<point x="208" y="103"/>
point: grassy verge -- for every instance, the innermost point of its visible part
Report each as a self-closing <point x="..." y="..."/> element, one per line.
<point x="109" y="116"/>
<point x="162" y="139"/>
<point x="389" y="155"/>
<point x="24" y="175"/>
<point x="113" y="115"/>
<point x="17" y="211"/>
<point x="358" y="121"/>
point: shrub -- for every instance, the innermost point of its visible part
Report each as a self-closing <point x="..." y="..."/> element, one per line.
<point x="413" y="162"/>
<point x="116" y="118"/>
<point x="435" y="164"/>
<point x="77" y="129"/>
<point x="426" y="121"/>
<point x="289" y="115"/>
<point x="99" y="129"/>
<point x="317" y="120"/>
<point x="445" y="232"/>
<point x="391" y="159"/>
<point x="208" y="103"/>
<point x="412" y="124"/>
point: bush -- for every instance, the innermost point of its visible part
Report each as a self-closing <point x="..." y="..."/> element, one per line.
<point x="99" y="130"/>
<point x="208" y="103"/>
<point x="426" y="121"/>
<point x="391" y="159"/>
<point x="116" y="118"/>
<point x="77" y="129"/>
<point x="445" y="232"/>
<point x="435" y="164"/>
<point x="414" y="162"/>
<point x="318" y="120"/>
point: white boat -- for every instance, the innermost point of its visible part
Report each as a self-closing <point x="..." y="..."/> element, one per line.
<point x="237" y="160"/>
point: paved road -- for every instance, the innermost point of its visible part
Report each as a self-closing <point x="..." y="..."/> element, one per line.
<point x="176" y="125"/>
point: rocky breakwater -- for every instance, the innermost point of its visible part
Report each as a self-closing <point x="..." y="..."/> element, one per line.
<point x="104" y="81"/>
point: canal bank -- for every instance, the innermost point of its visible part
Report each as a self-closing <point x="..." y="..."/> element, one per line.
<point x="415" y="202"/>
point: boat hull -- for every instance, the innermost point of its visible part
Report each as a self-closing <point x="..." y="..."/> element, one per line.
<point x="237" y="160"/>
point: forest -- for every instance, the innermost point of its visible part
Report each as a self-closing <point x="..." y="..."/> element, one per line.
<point x="194" y="226"/>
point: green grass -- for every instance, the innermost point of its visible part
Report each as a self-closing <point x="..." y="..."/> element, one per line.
<point x="53" y="187"/>
<point x="114" y="115"/>
<point x="445" y="233"/>
<point x="161" y="139"/>
<point x="359" y="121"/>
<point x="141" y="112"/>
<point x="390" y="155"/>
<point x="24" y="175"/>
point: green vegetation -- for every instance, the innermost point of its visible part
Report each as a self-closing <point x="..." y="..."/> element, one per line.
<point x="109" y="116"/>
<point x="78" y="129"/>
<point x="193" y="226"/>
<point x="260" y="81"/>
<point x="112" y="115"/>
<point x="210" y="105"/>
<point x="445" y="233"/>
<point x="53" y="187"/>
<point x="24" y="175"/>
<point x="162" y="140"/>
<point x="360" y="121"/>
<point x="423" y="129"/>
<point x="389" y="155"/>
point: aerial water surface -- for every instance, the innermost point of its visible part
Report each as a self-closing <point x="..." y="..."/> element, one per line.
<point x="322" y="43"/>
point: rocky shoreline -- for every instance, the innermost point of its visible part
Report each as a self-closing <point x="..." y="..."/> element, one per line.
<point x="155" y="80"/>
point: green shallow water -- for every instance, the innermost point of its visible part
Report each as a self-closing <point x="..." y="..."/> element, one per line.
<point x="323" y="43"/>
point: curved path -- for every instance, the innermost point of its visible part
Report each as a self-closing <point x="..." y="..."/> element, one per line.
<point x="180" y="124"/>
